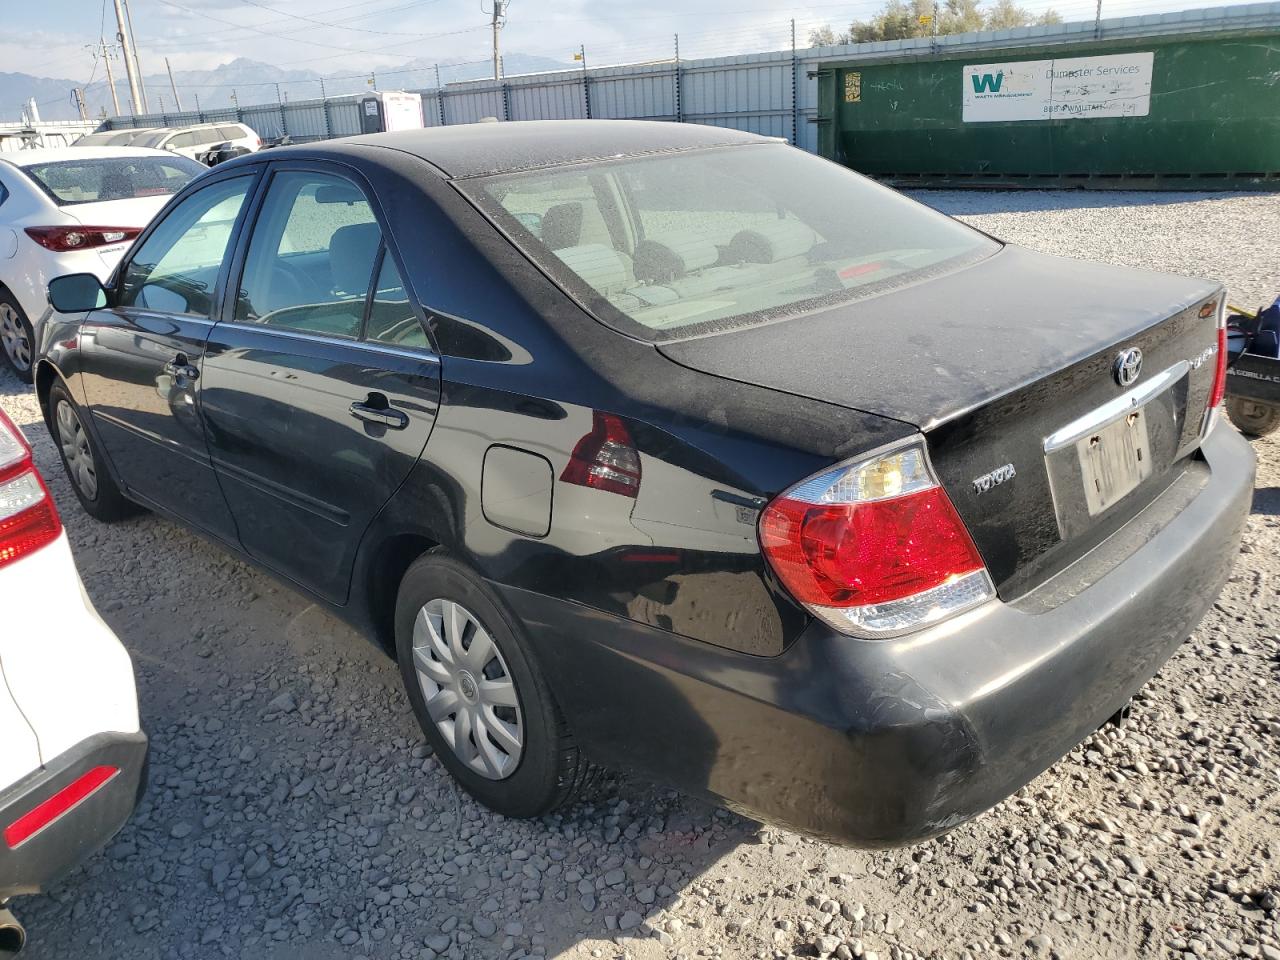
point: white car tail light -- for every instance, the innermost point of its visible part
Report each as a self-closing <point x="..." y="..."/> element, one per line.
<point x="64" y="239"/>
<point x="875" y="548"/>
<point x="28" y="518"/>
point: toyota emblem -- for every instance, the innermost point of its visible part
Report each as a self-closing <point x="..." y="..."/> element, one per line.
<point x="1128" y="366"/>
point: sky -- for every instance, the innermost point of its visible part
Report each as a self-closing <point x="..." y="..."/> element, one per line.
<point x="52" y="38"/>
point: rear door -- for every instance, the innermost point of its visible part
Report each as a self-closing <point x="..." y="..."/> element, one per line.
<point x="141" y="356"/>
<point x="320" y="386"/>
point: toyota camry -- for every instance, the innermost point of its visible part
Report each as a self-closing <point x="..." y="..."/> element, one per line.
<point x="672" y="448"/>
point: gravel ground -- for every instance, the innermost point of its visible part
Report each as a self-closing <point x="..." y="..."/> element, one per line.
<point x="295" y="812"/>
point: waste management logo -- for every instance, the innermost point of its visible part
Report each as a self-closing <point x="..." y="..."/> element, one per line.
<point x="1074" y="89"/>
<point x="987" y="83"/>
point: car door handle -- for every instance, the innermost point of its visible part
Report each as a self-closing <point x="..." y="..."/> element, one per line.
<point x="180" y="366"/>
<point x="381" y="413"/>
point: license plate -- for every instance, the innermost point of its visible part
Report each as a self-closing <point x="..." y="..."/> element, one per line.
<point x="1114" y="460"/>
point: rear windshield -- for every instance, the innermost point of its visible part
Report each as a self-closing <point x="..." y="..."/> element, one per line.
<point x="151" y="139"/>
<point x="112" y="178"/>
<point x="107" y="138"/>
<point x="678" y="245"/>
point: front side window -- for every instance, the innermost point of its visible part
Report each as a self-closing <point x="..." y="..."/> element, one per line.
<point x="176" y="268"/>
<point x="311" y="256"/>
<point x="112" y="178"/>
<point x="690" y="243"/>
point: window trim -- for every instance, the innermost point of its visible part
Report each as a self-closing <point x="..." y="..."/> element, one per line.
<point x="217" y="298"/>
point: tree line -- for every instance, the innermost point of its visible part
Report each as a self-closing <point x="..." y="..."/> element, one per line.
<point x="904" y="19"/>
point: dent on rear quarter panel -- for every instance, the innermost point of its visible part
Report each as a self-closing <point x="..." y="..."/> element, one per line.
<point x="525" y="367"/>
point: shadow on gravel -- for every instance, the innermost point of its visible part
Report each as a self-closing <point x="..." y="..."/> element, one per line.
<point x="294" y="810"/>
<point x="1266" y="501"/>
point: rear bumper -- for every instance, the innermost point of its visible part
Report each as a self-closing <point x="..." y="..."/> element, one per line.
<point x="70" y="840"/>
<point x="879" y="744"/>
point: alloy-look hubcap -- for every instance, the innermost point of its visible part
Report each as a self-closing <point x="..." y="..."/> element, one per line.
<point x="75" y="450"/>
<point x="13" y="336"/>
<point x="468" y="689"/>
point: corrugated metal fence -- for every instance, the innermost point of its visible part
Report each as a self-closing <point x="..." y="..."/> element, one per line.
<point x="774" y="94"/>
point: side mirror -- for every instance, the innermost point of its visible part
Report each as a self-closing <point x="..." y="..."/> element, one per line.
<point x="77" y="293"/>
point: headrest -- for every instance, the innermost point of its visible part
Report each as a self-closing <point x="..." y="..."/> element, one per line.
<point x="666" y="258"/>
<point x="351" y="252"/>
<point x="772" y="241"/>
<point x="562" y="225"/>
<point x="603" y="268"/>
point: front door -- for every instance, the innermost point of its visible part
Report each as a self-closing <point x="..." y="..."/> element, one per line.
<point x="320" y="393"/>
<point x="142" y="356"/>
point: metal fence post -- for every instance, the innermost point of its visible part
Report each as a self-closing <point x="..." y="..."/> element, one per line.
<point x="679" y="107"/>
<point x="795" y="107"/>
<point x="440" y="95"/>
<point x="506" y="104"/>
<point x="324" y="108"/>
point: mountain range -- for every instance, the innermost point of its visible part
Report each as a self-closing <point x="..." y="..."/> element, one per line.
<point x="249" y="80"/>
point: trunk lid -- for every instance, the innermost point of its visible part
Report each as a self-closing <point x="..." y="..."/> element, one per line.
<point x="996" y="362"/>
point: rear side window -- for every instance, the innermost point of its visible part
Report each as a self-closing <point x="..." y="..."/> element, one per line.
<point x="311" y="256"/>
<point x="391" y="318"/>
<point x="231" y="133"/>
<point x="690" y="243"/>
<point x="124" y="178"/>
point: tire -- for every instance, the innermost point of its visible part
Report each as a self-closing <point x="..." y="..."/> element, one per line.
<point x="92" y="482"/>
<point x="1252" y="418"/>
<point x="17" y="338"/>
<point x="548" y="770"/>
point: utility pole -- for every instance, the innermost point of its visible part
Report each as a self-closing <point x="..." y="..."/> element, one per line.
<point x="111" y="81"/>
<point x="1097" y="21"/>
<point x="137" y="65"/>
<point x="79" y="97"/>
<point x="177" y="98"/>
<point x="499" y="12"/>
<point x="130" y="68"/>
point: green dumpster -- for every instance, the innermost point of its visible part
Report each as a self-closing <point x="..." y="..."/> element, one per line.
<point x="1163" y="112"/>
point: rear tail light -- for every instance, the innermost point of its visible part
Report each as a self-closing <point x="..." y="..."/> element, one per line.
<point x="1219" y="389"/>
<point x="875" y="548"/>
<point x="58" y="806"/>
<point x="606" y="458"/>
<point x="64" y="239"/>
<point x="28" y="518"/>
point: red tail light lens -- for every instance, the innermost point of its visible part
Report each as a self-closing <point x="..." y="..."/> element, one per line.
<point x="1219" y="389"/>
<point x="28" y="518"/>
<point x="64" y="239"/>
<point x="1220" y="373"/>
<point x="875" y="549"/>
<point x="606" y="458"/>
<point x="58" y="806"/>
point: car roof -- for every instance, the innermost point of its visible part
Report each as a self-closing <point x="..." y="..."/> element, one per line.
<point x="26" y="158"/>
<point x="476" y="149"/>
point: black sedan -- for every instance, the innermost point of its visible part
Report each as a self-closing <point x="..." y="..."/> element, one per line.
<point x="673" y="448"/>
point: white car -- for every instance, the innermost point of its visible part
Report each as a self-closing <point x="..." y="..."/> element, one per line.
<point x="72" y="753"/>
<point x="193" y="141"/>
<point x="72" y="210"/>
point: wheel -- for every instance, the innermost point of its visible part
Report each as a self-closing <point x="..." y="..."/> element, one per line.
<point x="1254" y="419"/>
<point x="90" y="479"/>
<point x="479" y="695"/>
<point x="17" y="338"/>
